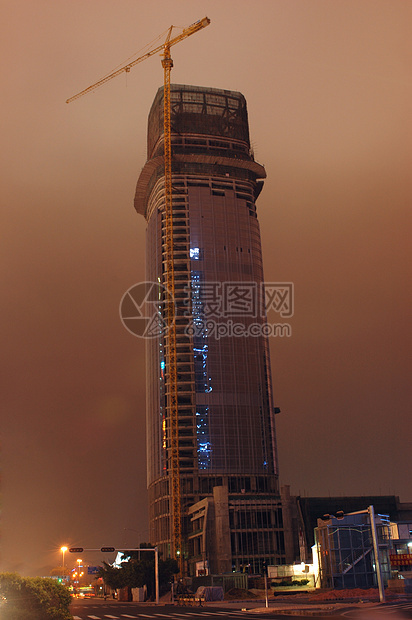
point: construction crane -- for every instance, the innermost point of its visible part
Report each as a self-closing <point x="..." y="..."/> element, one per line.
<point x="174" y="468"/>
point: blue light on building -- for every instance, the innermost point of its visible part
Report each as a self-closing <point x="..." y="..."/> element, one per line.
<point x="194" y="253"/>
<point x="202" y="379"/>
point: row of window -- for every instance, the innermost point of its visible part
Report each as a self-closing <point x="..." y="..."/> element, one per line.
<point x="180" y="183"/>
<point x="192" y="96"/>
<point x="256" y="543"/>
<point x="210" y="143"/>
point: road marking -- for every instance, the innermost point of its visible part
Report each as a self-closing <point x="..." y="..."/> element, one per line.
<point x="127" y="616"/>
<point x="94" y="617"/>
<point x="113" y="617"/>
<point x="387" y="611"/>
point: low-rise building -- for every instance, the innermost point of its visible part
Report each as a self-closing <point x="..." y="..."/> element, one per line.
<point x="346" y="550"/>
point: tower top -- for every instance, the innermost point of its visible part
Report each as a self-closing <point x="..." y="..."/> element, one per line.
<point x="209" y="127"/>
<point x="199" y="110"/>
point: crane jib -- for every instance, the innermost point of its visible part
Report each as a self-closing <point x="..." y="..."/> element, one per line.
<point x="202" y="23"/>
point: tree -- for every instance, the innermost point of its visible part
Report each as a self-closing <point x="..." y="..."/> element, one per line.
<point x="112" y="576"/>
<point x="167" y="569"/>
<point x="137" y="570"/>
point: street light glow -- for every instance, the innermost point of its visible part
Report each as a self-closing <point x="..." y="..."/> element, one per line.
<point x="63" y="550"/>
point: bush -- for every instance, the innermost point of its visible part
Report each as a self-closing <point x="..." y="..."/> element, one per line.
<point x="288" y="582"/>
<point x="300" y="582"/>
<point x="33" y="598"/>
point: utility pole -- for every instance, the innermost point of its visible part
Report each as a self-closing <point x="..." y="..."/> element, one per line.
<point x="374" y="531"/>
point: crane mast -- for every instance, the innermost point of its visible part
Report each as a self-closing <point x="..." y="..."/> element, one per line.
<point x="171" y="366"/>
<point x="171" y="395"/>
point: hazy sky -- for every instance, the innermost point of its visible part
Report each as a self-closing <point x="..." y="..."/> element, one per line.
<point x="328" y="89"/>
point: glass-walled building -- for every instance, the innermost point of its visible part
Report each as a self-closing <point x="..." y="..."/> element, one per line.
<point x="226" y="427"/>
<point x="346" y="553"/>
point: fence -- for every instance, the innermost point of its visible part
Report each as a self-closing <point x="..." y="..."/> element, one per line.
<point x="227" y="582"/>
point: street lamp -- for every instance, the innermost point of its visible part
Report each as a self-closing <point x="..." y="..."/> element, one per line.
<point x="63" y="550"/>
<point x="139" y="532"/>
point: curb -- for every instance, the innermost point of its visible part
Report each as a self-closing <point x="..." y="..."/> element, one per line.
<point x="305" y="612"/>
<point x="292" y="612"/>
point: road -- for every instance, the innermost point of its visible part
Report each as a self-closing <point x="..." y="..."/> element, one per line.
<point x="100" y="610"/>
<point x="390" y="611"/>
<point x="114" y="610"/>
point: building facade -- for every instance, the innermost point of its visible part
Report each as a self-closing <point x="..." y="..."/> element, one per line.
<point x="232" y="518"/>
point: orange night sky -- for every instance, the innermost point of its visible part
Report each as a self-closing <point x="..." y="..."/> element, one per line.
<point x="328" y="91"/>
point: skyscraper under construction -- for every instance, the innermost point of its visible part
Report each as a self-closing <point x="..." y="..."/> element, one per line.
<point x="229" y="495"/>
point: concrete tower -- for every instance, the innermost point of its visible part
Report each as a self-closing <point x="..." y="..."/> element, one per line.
<point x="227" y="447"/>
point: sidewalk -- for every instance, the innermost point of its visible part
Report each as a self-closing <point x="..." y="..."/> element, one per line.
<point x="288" y="607"/>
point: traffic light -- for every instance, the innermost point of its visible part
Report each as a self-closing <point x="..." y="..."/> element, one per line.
<point x="76" y="549"/>
<point x="107" y="549"/>
<point x="326" y="517"/>
<point x="264" y="567"/>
